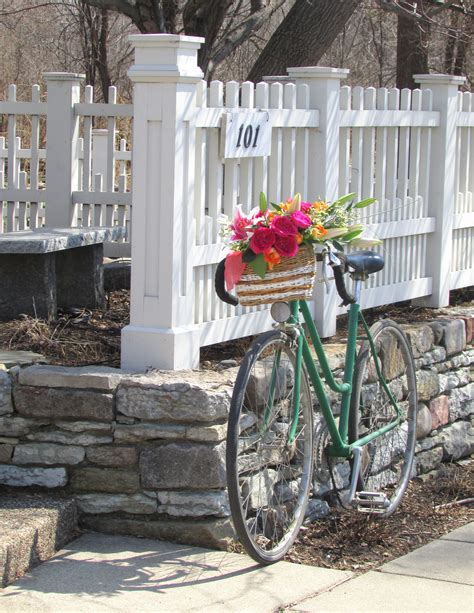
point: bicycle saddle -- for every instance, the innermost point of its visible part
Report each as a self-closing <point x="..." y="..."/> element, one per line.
<point x="365" y="262"/>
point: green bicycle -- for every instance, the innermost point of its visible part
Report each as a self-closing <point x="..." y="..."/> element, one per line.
<point x="273" y="447"/>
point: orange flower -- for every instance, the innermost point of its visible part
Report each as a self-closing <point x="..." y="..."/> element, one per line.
<point x="299" y="238"/>
<point x="318" y="231"/>
<point x="271" y="257"/>
<point x="271" y="215"/>
<point x="320" y="205"/>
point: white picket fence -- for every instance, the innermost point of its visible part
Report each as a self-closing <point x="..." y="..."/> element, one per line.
<point x="412" y="150"/>
<point x="69" y="173"/>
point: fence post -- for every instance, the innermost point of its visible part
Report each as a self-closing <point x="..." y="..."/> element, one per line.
<point x="62" y="167"/>
<point x="161" y="332"/>
<point x="323" y="172"/>
<point x="442" y="185"/>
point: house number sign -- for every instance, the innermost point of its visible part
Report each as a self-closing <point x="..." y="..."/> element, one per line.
<point x="247" y="134"/>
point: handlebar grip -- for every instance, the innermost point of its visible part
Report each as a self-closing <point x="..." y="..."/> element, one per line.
<point x="346" y="297"/>
<point x="219" y="284"/>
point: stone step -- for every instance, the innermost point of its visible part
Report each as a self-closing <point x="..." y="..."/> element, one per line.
<point x="32" y="528"/>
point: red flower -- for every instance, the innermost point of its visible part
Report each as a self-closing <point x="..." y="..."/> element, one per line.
<point x="286" y="246"/>
<point x="283" y="226"/>
<point x="262" y="240"/>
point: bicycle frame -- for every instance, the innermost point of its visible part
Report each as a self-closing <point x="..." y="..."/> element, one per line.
<point x="340" y="446"/>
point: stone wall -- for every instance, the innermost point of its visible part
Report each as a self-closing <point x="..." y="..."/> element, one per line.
<point x="145" y="454"/>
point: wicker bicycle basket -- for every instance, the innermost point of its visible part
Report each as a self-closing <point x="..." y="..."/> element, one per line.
<point x="291" y="279"/>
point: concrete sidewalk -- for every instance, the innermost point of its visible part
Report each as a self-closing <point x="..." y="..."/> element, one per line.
<point x="100" y="572"/>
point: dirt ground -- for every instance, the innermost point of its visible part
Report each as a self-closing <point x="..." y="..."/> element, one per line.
<point x="353" y="541"/>
<point x="343" y="540"/>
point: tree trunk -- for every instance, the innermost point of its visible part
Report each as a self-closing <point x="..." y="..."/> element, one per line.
<point x="303" y="36"/>
<point x="412" y="50"/>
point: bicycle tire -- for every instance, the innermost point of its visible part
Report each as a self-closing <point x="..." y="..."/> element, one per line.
<point x="387" y="460"/>
<point x="269" y="478"/>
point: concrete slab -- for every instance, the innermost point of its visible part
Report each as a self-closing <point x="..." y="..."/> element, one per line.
<point x="464" y="534"/>
<point x="375" y="592"/>
<point x="115" y="573"/>
<point x="442" y="560"/>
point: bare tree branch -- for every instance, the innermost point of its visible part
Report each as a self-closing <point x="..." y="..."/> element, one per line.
<point x="243" y="30"/>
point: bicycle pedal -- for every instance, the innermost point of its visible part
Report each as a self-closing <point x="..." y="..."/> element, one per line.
<point x="370" y="502"/>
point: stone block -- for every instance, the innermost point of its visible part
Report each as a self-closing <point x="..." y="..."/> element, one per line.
<point x="450" y="333"/>
<point x="461" y="402"/>
<point x="316" y="509"/>
<point x="211" y="434"/>
<point x="18" y="426"/>
<point x="183" y="465"/>
<point x="175" y="396"/>
<point x="194" y="504"/>
<point x="428" y="460"/>
<point x="28" y="285"/>
<point x="69" y="438"/>
<point x="20" y="476"/>
<point x="427" y="384"/>
<point x="215" y="533"/>
<point x="62" y="403"/>
<point x="457" y="440"/>
<point x="115" y="503"/>
<point x="85" y="426"/>
<point x="44" y="453"/>
<point x="453" y="379"/>
<point x="421" y="338"/>
<point x="112" y="455"/>
<point x="423" y="421"/>
<point x="80" y="277"/>
<point x="5" y="453"/>
<point x="439" y="409"/>
<point x="6" y="405"/>
<point x="82" y="377"/>
<point x="148" y="432"/>
<point x="433" y="357"/>
<point x="105" y="480"/>
<point x="117" y="274"/>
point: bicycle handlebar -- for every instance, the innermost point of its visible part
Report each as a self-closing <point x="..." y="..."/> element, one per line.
<point x="219" y="285"/>
<point x="339" y="271"/>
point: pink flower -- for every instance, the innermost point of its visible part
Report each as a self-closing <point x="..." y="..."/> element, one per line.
<point x="305" y="206"/>
<point x="233" y="269"/>
<point x="239" y="225"/>
<point x="263" y="239"/>
<point x="301" y="220"/>
<point x="286" y="246"/>
<point x="283" y="226"/>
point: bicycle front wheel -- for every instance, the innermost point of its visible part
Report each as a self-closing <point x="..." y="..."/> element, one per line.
<point x="387" y="460"/>
<point x="269" y="450"/>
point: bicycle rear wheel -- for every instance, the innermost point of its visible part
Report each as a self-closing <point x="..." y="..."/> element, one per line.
<point x="387" y="460"/>
<point x="268" y="470"/>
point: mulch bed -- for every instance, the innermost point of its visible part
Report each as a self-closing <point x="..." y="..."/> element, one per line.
<point x="353" y="541"/>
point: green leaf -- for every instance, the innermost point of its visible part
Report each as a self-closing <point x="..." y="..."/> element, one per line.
<point x="276" y="206"/>
<point x="363" y="203"/>
<point x="248" y="256"/>
<point x="351" y="235"/>
<point x="344" y="199"/>
<point x="263" y="203"/>
<point x="258" y="265"/>
<point x="338" y="245"/>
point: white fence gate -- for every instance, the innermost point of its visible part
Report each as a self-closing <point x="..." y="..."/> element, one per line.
<point x="68" y="174"/>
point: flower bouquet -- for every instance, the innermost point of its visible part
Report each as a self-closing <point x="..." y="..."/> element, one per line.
<point x="271" y="253"/>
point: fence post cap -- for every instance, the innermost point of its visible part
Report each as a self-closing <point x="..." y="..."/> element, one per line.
<point x="63" y="76"/>
<point x="439" y="79"/>
<point x="168" y="58"/>
<point x="318" y="72"/>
